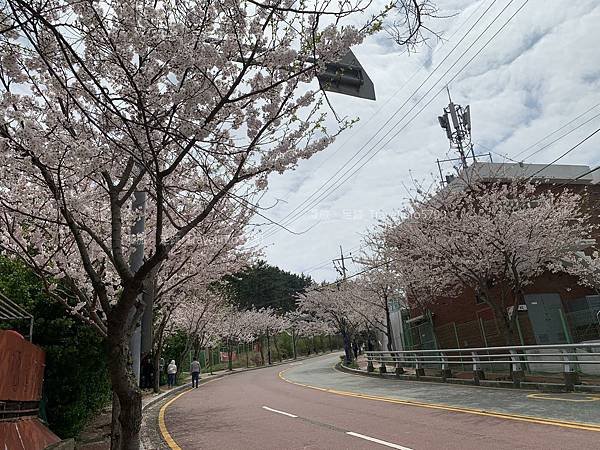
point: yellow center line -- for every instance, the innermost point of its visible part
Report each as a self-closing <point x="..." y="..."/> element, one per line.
<point x="161" y="418"/>
<point x="479" y="412"/>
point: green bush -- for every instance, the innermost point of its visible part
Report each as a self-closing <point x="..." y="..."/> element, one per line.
<point x="76" y="384"/>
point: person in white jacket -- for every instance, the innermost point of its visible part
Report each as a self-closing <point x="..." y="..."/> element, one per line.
<point x="171" y="372"/>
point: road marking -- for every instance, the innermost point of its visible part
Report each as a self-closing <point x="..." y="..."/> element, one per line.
<point x="350" y="433"/>
<point x="585" y="398"/>
<point x="479" y="412"/>
<point x="162" y="426"/>
<point x="279" y="412"/>
<point x="378" y="441"/>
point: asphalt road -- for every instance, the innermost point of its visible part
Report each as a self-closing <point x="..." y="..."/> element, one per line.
<point x="309" y="405"/>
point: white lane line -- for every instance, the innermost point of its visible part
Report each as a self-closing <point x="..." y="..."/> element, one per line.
<point x="378" y="441"/>
<point x="279" y="412"/>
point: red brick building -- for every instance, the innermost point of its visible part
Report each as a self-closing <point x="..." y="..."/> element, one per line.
<point x="557" y="308"/>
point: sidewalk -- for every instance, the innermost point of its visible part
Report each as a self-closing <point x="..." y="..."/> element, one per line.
<point x="582" y="410"/>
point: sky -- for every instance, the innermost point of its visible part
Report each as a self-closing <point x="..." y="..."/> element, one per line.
<point x="540" y="73"/>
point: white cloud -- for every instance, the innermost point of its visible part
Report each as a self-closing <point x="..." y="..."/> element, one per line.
<point x="537" y="75"/>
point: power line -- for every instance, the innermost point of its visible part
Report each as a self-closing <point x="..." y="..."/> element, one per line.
<point x="561" y="136"/>
<point x="579" y="176"/>
<point x="513" y="158"/>
<point x="589" y="136"/>
<point x="270" y="233"/>
<point x="328" y="261"/>
<point x="555" y="131"/>
<point x="362" y="272"/>
<point x="348" y="174"/>
<point x="396" y="92"/>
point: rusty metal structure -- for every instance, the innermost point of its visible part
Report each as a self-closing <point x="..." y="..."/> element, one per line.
<point x="21" y="377"/>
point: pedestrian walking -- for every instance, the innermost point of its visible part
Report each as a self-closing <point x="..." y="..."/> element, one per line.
<point x="171" y="372"/>
<point x="195" y="369"/>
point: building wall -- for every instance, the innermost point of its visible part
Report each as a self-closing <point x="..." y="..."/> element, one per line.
<point x="463" y="322"/>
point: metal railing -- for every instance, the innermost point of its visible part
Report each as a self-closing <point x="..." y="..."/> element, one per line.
<point x="517" y="359"/>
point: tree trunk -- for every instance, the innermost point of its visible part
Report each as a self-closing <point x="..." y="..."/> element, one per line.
<point x="505" y="325"/>
<point x="115" y="432"/>
<point x="347" y="349"/>
<point x="294" y="344"/>
<point x="229" y="355"/>
<point x="262" y="352"/>
<point x="388" y="328"/>
<point x="159" y="336"/>
<point x="128" y="402"/>
<point x="268" y="348"/>
<point x="196" y="348"/>
<point x="156" y="368"/>
<point x="277" y="348"/>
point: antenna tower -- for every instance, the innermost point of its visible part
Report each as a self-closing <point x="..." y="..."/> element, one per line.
<point x="456" y="121"/>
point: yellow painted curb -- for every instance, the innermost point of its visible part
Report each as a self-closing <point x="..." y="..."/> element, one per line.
<point x="479" y="412"/>
<point x="584" y="398"/>
<point x="161" y="418"/>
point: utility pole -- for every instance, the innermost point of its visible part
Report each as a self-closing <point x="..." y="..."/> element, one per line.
<point x="340" y="264"/>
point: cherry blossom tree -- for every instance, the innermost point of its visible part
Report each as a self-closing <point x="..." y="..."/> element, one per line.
<point x="183" y="106"/>
<point x="493" y="239"/>
<point x="238" y="326"/>
<point x="380" y="284"/>
<point x="584" y="265"/>
<point x="184" y="297"/>
<point x="335" y="305"/>
<point x="299" y="324"/>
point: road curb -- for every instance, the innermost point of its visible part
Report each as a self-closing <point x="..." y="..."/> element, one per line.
<point x="527" y="386"/>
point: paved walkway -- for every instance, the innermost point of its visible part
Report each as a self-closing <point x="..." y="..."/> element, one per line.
<point x="268" y="409"/>
<point x="563" y="407"/>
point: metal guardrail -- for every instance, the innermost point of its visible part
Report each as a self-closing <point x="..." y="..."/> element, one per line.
<point x="517" y="358"/>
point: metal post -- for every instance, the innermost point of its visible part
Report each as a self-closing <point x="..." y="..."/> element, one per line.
<point x="382" y="367"/>
<point x="399" y="365"/>
<point x="370" y="367"/>
<point x="446" y="371"/>
<point x="419" y="370"/>
<point x="517" y="368"/>
<point x="570" y="375"/>
<point x="478" y="373"/>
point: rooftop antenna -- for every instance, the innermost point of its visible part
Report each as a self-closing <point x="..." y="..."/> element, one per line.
<point x="456" y="121"/>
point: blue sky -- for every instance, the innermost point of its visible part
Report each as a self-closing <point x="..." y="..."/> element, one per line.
<point x="538" y="74"/>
